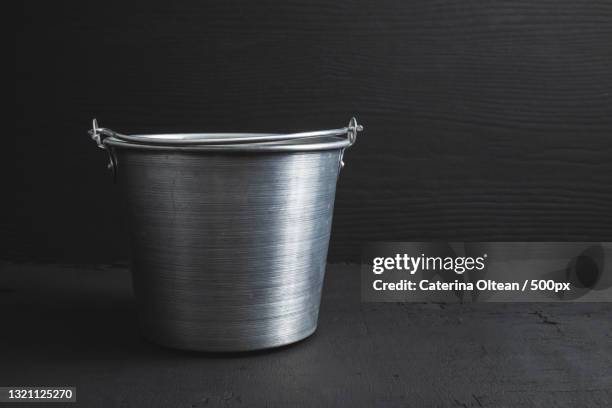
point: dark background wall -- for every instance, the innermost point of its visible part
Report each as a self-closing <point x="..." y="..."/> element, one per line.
<point x="485" y="120"/>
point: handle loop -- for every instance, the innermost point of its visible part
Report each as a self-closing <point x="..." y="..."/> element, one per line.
<point x="98" y="135"/>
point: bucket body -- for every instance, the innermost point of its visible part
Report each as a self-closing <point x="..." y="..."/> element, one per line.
<point x="228" y="250"/>
<point x="228" y="241"/>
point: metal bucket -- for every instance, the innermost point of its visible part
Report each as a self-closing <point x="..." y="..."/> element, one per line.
<point x="229" y="232"/>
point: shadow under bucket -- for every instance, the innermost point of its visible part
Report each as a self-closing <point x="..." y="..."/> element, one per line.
<point x="229" y="232"/>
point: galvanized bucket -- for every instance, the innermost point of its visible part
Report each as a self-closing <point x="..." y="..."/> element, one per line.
<point x="229" y="232"/>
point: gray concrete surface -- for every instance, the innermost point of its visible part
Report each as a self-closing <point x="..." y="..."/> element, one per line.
<point x="72" y="325"/>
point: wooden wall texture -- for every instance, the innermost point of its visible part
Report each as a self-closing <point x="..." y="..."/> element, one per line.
<point x="485" y="120"/>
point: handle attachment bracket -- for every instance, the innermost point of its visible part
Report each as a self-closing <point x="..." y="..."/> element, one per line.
<point x="98" y="134"/>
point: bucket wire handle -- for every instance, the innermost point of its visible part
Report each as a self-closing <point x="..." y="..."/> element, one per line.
<point x="98" y="134"/>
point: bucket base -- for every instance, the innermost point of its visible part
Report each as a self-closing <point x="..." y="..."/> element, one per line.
<point x="226" y="345"/>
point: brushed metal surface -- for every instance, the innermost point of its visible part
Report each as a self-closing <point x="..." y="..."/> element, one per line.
<point x="228" y="248"/>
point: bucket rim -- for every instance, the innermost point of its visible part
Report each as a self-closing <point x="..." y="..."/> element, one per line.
<point x="295" y="145"/>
